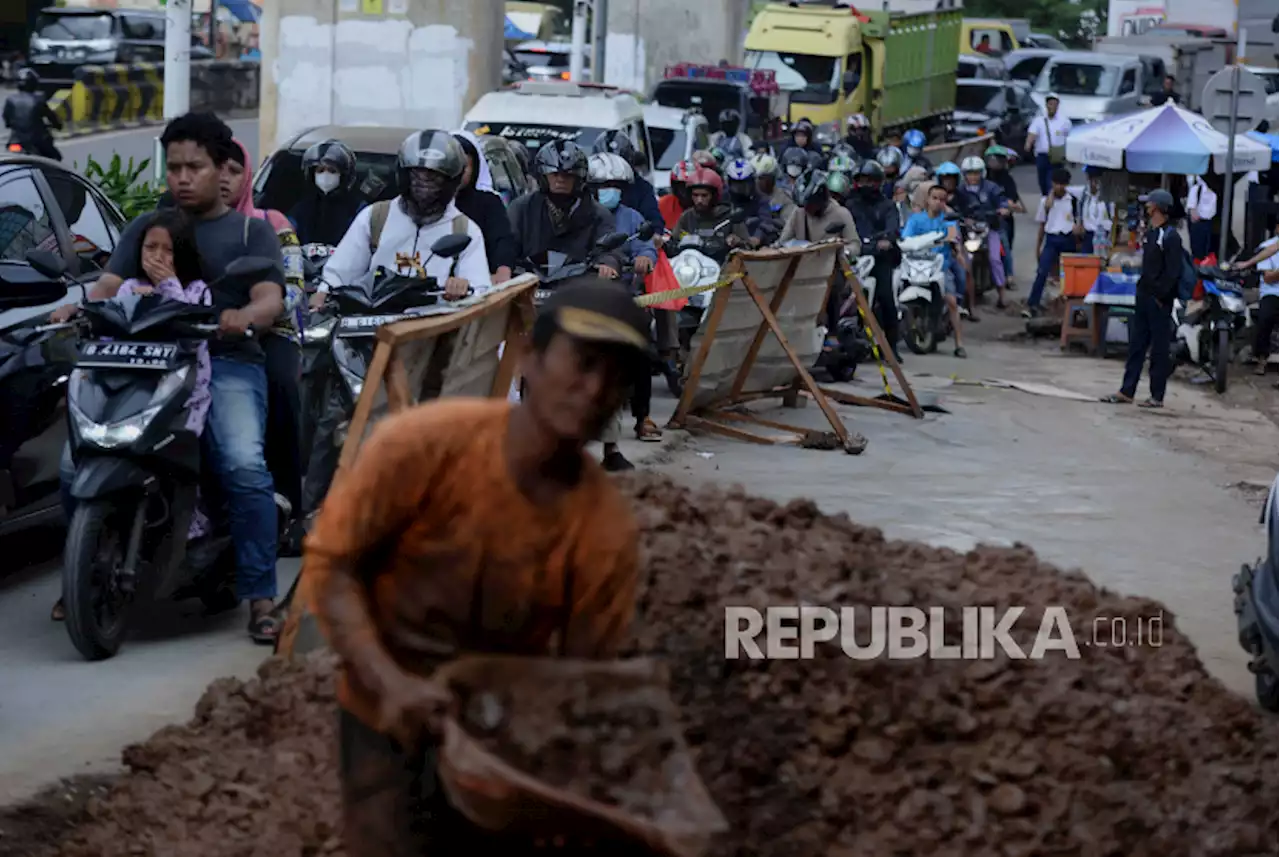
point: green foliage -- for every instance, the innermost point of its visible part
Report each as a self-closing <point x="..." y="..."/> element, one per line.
<point x="1076" y="24"/>
<point x="121" y="183"/>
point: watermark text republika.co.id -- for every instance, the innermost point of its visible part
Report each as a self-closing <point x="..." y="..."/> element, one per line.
<point x="795" y="632"/>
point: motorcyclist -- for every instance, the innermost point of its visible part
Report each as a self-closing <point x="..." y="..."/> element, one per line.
<point x="977" y="196"/>
<point x="331" y="203"/>
<point x="948" y="176"/>
<point x="998" y="171"/>
<point x="396" y="235"/>
<point x="801" y="138"/>
<point x="794" y="161"/>
<point x="704" y="158"/>
<point x="639" y="194"/>
<point x="816" y="211"/>
<point x="933" y="219"/>
<point x="743" y="195"/>
<point x="560" y="217"/>
<point x="677" y="202"/>
<point x="913" y="143"/>
<point x="730" y="137"/>
<point x="839" y="186"/>
<point x="780" y="203"/>
<point x="890" y="160"/>
<point x="859" y="136"/>
<point x="29" y="119"/>
<point x="878" y="224"/>
<point x="708" y="212"/>
<point x="842" y="163"/>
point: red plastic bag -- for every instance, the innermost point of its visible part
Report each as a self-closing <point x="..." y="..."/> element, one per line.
<point x="663" y="279"/>
<point x="1211" y="261"/>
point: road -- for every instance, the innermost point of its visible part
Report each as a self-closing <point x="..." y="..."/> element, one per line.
<point x="139" y="143"/>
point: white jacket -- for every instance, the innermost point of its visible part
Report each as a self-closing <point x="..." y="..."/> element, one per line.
<point x="403" y="241"/>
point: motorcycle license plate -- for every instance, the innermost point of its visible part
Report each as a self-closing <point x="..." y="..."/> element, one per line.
<point x="540" y="295"/>
<point x="133" y="355"/>
<point x="365" y="325"/>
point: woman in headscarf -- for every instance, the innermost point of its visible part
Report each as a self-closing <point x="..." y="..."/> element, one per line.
<point x="477" y="199"/>
<point x="283" y="343"/>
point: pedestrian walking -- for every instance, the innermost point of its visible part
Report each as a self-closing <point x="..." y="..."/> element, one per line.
<point x="1047" y="141"/>
<point x="1202" y="206"/>
<point x="1151" y="327"/>
<point x="1061" y="231"/>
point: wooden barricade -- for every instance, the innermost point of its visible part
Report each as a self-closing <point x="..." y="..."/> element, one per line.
<point x="451" y="354"/>
<point x="735" y="360"/>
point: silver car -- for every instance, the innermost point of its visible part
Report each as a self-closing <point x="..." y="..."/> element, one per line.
<point x="1090" y="86"/>
<point x="548" y="60"/>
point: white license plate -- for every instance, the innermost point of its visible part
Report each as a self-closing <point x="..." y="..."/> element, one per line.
<point x="367" y="323"/>
<point x="135" y="355"/>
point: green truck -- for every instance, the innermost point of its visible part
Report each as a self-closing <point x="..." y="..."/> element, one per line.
<point x="835" y="61"/>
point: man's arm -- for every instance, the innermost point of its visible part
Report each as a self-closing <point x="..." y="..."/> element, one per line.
<point x="1265" y="253"/>
<point x="352" y="258"/>
<point x="1171" y="265"/>
<point x="789" y="228"/>
<point x="266" y="297"/>
<point x="49" y="116"/>
<point x="1030" y="145"/>
<point x="849" y="235"/>
<point x="603" y="605"/>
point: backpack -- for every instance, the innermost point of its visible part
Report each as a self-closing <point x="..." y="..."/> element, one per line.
<point x="1187" y="277"/>
<point x="378" y="221"/>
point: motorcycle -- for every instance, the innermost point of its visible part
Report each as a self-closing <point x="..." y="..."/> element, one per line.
<point x="977" y="231"/>
<point x="1204" y="333"/>
<point x="1257" y="598"/>
<point x="697" y="262"/>
<point x="918" y="285"/>
<point x="138" y="474"/>
<point x="847" y="346"/>
<point x="558" y="269"/>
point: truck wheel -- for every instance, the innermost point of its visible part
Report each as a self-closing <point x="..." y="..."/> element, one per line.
<point x="95" y="604"/>
<point x="1221" y="360"/>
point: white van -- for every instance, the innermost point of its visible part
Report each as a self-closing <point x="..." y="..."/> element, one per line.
<point x="534" y="113"/>
<point x="1092" y="86"/>
<point x="676" y="134"/>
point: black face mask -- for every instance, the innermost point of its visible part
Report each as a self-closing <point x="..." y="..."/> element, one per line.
<point x="869" y="192"/>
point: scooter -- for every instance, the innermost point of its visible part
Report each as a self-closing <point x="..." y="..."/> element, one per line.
<point x="1203" y="336"/>
<point x="558" y="270"/>
<point x="847" y="345"/>
<point x="977" y="231"/>
<point x="697" y="262"/>
<point x="348" y="326"/>
<point x="138" y="465"/>
<point x="918" y="285"/>
<point x="1257" y="598"/>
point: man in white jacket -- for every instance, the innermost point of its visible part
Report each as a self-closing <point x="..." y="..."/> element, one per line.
<point x="397" y="235"/>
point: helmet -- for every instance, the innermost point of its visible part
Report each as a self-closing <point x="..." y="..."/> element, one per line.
<point x="720" y="156"/>
<point x="608" y="168"/>
<point x="995" y="150"/>
<point x="914" y="140"/>
<point x="560" y="156"/>
<point x="973" y="164"/>
<point x="838" y="183"/>
<point x="804" y="125"/>
<point x="739" y="170"/>
<point x="946" y="168"/>
<point x="708" y="179"/>
<point x="841" y="163"/>
<point x="333" y="153"/>
<point x="28" y="80"/>
<point x="764" y="164"/>
<point x="681" y="173"/>
<point x="871" y="170"/>
<point x="616" y="142"/>
<point x="859" y="120"/>
<point x="811" y="188"/>
<point x="889" y="156"/>
<point x="842" y="147"/>
<point x="433" y="150"/>
<point x="794" y="161"/>
<point x="703" y="158"/>
<point x="815" y="160"/>
<point x="730" y="115"/>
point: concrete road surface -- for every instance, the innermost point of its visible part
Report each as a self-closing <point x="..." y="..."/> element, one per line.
<point x="139" y="143"/>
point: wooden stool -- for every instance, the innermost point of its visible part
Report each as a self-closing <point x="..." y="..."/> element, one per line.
<point x="1095" y="322"/>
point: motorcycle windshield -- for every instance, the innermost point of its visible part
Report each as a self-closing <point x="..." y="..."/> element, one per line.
<point x="131" y="316"/>
<point x="385" y="292"/>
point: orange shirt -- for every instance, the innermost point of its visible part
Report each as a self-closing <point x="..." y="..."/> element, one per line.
<point x="671" y="210"/>
<point x="452" y="554"/>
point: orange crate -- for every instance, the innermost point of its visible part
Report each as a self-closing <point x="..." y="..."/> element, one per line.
<point x="1079" y="273"/>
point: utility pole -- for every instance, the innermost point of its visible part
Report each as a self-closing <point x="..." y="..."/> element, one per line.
<point x="177" y="58"/>
<point x="600" y="28"/>
<point x="578" y="42"/>
<point x="213" y="29"/>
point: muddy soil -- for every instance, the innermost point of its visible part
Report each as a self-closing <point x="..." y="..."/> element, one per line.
<point x="1130" y="749"/>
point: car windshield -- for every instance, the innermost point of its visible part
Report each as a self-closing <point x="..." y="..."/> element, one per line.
<point x="543" y="59"/>
<point x="281" y="184"/>
<point x="73" y="28"/>
<point x="534" y="137"/>
<point x="807" y="77"/>
<point x="980" y="99"/>
<point x="708" y="100"/>
<point x="670" y="144"/>
<point x="1069" y="78"/>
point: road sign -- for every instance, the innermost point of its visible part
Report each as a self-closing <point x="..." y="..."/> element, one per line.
<point x="1215" y="101"/>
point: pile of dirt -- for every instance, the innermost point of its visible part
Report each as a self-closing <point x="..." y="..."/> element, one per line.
<point x="1130" y="749"/>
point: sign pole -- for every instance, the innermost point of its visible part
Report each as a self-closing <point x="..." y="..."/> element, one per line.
<point x="1228" y="184"/>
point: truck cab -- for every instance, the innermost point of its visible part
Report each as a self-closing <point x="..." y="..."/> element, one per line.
<point x="987" y="37"/>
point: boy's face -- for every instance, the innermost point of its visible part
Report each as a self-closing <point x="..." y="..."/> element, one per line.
<point x="1059" y="190"/>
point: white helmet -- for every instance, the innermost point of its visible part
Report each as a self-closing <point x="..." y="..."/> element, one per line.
<point x="859" y="120"/>
<point x="606" y="168"/>
<point x="973" y="164"/>
<point x="765" y="164"/>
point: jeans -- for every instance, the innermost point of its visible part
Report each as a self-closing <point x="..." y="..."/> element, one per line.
<point x="1006" y="239"/>
<point x="1043" y="170"/>
<point x="1054" y="246"/>
<point x="1201" y="235"/>
<point x="1086" y="242"/>
<point x="1151" y="328"/>
<point x="956" y="284"/>
<point x="284" y="417"/>
<point x="234" y="438"/>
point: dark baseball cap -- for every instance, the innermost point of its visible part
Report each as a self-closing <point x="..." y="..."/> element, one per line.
<point x="1160" y="198"/>
<point x="598" y="310"/>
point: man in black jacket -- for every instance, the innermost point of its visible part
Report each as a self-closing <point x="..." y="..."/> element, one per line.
<point x="560" y="216"/>
<point x="1152" y="324"/>
<point x="331" y="202"/>
<point x="29" y="118"/>
<point x="877" y="221"/>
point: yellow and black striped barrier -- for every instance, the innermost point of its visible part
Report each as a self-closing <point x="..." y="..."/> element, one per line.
<point x="103" y="97"/>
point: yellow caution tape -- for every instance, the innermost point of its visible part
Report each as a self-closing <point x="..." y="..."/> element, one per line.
<point x="686" y="292"/>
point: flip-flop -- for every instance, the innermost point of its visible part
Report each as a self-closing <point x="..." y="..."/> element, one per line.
<point x="1116" y="399"/>
<point x="1151" y="404"/>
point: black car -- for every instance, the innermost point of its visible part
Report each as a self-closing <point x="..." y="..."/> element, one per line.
<point x="997" y="107"/>
<point x="43" y="206"/>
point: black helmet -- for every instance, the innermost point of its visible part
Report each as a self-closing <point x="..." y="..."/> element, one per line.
<point x="811" y="188"/>
<point x="615" y="142"/>
<point x="561" y="156"/>
<point x="871" y="170"/>
<point x="433" y="150"/>
<point x="816" y="161"/>
<point x="804" y="125"/>
<point x="334" y="153"/>
<point x="28" y="80"/>
<point x="794" y="161"/>
<point x="730" y="116"/>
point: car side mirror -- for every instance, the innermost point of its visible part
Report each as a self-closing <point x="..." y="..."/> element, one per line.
<point x="27" y="286"/>
<point x="46" y="263"/>
<point x="646" y="231"/>
<point x="450" y="246"/>
<point x="612" y="241"/>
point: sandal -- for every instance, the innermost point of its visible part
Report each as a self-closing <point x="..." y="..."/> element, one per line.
<point x="1151" y="404"/>
<point x="59" y="611"/>
<point x="1117" y="399"/>
<point x="264" y="625"/>
<point x="647" y="430"/>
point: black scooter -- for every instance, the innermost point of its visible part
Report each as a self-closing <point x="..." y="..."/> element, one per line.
<point x="1257" y="599"/>
<point x="138" y="467"/>
<point x="558" y="269"/>
<point x="343" y="335"/>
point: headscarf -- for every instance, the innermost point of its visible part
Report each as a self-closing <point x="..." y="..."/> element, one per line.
<point x="243" y="202"/>
<point x="483" y="179"/>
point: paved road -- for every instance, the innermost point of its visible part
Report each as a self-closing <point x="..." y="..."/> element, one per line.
<point x="139" y="143"/>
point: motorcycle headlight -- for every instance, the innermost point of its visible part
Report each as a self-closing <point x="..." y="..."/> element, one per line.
<point x="686" y="274"/>
<point x="126" y="431"/>
<point x="1231" y="303"/>
<point x="319" y="332"/>
<point x="972" y="245"/>
<point x="347" y="362"/>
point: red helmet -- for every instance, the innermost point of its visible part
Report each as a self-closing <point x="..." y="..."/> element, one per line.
<point x="681" y="173"/>
<point x="705" y="177"/>
<point x="703" y="158"/>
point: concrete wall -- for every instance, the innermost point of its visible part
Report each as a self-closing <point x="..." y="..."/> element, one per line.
<point x="411" y="63"/>
<point x="645" y="36"/>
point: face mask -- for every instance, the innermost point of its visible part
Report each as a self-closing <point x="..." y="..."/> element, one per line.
<point x="870" y="192"/>
<point x="610" y="197"/>
<point x="795" y="172"/>
<point x="327" y="182"/>
<point x="428" y="196"/>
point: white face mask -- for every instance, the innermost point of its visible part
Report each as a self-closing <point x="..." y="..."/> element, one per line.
<point x="327" y="182"/>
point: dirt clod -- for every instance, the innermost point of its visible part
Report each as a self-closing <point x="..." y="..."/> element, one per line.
<point x="1128" y="749"/>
